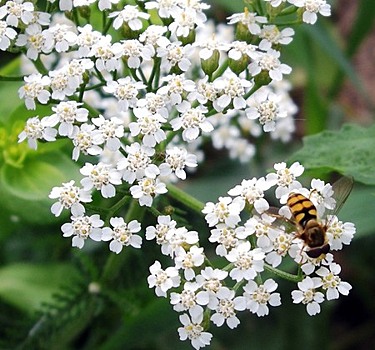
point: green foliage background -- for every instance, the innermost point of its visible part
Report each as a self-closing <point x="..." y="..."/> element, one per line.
<point x="48" y="291"/>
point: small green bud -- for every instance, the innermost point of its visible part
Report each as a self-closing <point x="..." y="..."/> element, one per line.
<point x="238" y="66"/>
<point x="211" y="64"/>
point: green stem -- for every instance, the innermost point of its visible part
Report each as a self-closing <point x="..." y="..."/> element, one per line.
<point x="221" y="70"/>
<point x="3" y="78"/>
<point x="40" y="66"/>
<point x="284" y="275"/>
<point x="184" y="198"/>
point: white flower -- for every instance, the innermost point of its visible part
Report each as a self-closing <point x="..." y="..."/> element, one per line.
<point x="261" y="226"/>
<point x="285" y="179"/>
<point x="147" y="189"/>
<point x="33" y="40"/>
<point x="138" y="163"/>
<point x="276" y="3"/>
<point x="311" y="8"/>
<point x="185" y="21"/>
<point x="258" y="297"/>
<point x="75" y="71"/>
<point x="176" y="159"/>
<point x="83" y="227"/>
<point x="154" y="37"/>
<point x="247" y="262"/>
<point x="35" y="88"/>
<point x="226" y="307"/>
<point x="69" y="197"/>
<point x="149" y="125"/>
<point x="163" y="280"/>
<point x="17" y="10"/>
<point x="282" y="243"/>
<point x="122" y="234"/>
<point x="155" y="103"/>
<point x="6" y="35"/>
<point x="165" y="9"/>
<point x="189" y="298"/>
<point x="339" y="233"/>
<point x="253" y="192"/>
<point x="188" y="260"/>
<point x="102" y="177"/>
<point x="125" y="90"/>
<point x="108" y="55"/>
<point x="331" y="282"/>
<point x="227" y="237"/>
<point x="249" y="19"/>
<point x="272" y="36"/>
<point x="60" y="84"/>
<point x="109" y="132"/>
<point x="86" y="38"/>
<point x="231" y="88"/>
<point x="162" y="232"/>
<point x="207" y="46"/>
<point x="67" y="113"/>
<point x="129" y="15"/>
<point x="83" y="140"/>
<point x="36" y="129"/>
<point x="308" y="295"/>
<point x="106" y="4"/>
<point x="239" y="49"/>
<point x="211" y="280"/>
<point x="193" y="330"/>
<point x="269" y="61"/>
<point x="133" y="50"/>
<point x="176" y="86"/>
<point x="179" y="239"/>
<point x="225" y="211"/>
<point x="321" y="195"/>
<point x="192" y="121"/>
<point x="264" y="105"/>
<point x="175" y="54"/>
<point x="60" y="37"/>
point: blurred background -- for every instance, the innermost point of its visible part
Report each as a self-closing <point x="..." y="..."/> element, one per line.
<point x="48" y="296"/>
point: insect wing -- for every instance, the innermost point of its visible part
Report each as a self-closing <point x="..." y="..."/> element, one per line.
<point x="281" y="220"/>
<point x="341" y="190"/>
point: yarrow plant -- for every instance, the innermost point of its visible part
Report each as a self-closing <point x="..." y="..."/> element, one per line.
<point x="139" y="96"/>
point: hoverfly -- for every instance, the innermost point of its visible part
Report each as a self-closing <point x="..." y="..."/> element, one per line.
<point x="309" y="228"/>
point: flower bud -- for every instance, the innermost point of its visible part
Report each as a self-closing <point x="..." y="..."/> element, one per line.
<point x="85" y="12"/>
<point x="187" y="39"/>
<point x="238" y="66"/>
<point x="262" y="78"/>
<point x="211" y="64"/>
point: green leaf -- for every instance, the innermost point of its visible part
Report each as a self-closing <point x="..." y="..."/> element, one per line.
<point x="24" y="191"/>
<point x="359" y="209"/>
<point x="26" y="286"/>
<point x="362" y="26"/>
<point x="348" y="151"/>
<point x="36" y="178"/>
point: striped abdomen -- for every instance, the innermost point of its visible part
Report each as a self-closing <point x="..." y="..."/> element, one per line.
<point x="302" y="208"/>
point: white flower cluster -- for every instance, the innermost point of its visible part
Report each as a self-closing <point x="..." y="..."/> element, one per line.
<point x="250" y="246"/>
<point x="138" y="100"/>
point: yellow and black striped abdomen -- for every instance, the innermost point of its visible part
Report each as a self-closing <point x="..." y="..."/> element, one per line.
<point x="302" y="208"/>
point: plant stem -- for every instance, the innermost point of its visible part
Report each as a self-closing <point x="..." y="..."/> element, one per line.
<point x="283" y="274"/>
<point x="184" y="198"/>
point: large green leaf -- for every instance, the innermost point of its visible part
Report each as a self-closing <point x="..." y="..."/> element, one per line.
<point x="38" y="175"/>
<point x="359" y="209"/>
<point x="348" y="151"/>
<point x="27" y="286"/>
<point x="25" y="190"/>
